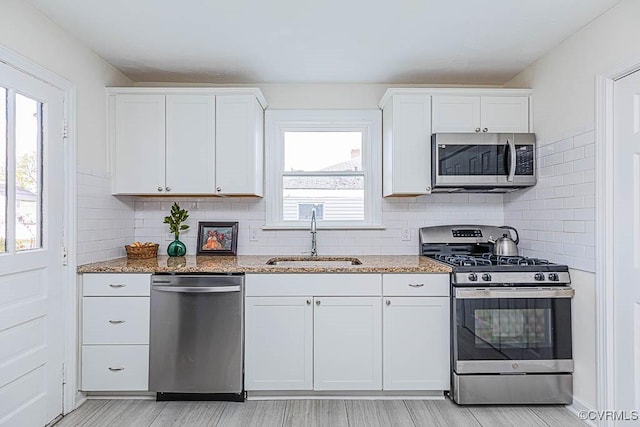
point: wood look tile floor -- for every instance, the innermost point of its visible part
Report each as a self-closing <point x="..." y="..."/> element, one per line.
<point x="329" y="413"/>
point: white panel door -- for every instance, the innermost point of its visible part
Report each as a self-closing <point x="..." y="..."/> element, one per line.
<point x="31" y="237"/>
<point x="278" y="343"/>
<point x="139" y="144"/>
<point x="407" y="146"/>
<point x="626" y="268"/>
<point x="416" y="343"/>
<point x="347" y="343"/>
<point x="456" y="114"/>
<point x="190" y="150"/>
<point x="239" y="145"/>
<point x="505" y="114"/>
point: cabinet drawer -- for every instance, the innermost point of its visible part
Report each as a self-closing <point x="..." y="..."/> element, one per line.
<point x="107" y="284"/>
<point x="415" y="285"/>
<point x="115" y="320"/>
<point x="120" y="367"/>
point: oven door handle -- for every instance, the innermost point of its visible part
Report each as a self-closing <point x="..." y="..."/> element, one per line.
<point x="484" y="293"/>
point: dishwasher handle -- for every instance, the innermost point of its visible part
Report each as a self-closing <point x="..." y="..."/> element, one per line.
<point x="196" y="289"/>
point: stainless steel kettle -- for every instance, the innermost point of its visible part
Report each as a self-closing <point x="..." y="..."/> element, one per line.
<point x="505" y="246"/>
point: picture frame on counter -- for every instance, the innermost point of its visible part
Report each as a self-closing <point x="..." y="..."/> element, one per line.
<point x="217" y="238"/>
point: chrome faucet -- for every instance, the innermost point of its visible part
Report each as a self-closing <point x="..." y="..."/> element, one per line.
<point x="314" y="231"/>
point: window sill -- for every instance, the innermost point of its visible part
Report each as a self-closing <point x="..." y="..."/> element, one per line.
<point x="322" y="227"/>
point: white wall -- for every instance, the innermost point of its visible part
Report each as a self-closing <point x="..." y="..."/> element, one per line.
<point x="563" y="83"/>
<point x="28" y="32"/>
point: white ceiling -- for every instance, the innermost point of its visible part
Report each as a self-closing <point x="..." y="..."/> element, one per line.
<point x="359" y="41"/>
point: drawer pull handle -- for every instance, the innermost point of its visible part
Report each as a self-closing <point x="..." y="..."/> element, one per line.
<point x="113" y="285"/>
<point x="115" y="369"/>
<point x="116" y="322"/>
<point x="416" y="285"/>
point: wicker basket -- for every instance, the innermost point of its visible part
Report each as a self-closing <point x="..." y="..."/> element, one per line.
<point x="142" y="252"/>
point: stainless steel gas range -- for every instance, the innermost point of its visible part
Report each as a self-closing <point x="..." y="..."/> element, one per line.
<point x="510" y="320"/>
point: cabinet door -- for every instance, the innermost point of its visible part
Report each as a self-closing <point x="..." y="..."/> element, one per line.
<point x="139" y="143"/>
<point x="416" y="343"/>
<point x="505" y="114"/>
<point x="456" y="114"/>
<point x="407" y="145"/>
<point x="191" y="126"/>
<point x="278" y="343"/>
<point x="347" y="343"/>
<point x="239" y="145"/>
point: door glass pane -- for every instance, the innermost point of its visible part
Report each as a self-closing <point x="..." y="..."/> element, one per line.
<point x="341" y="197"/>
<point x="322" y="151"/>
<point x="3" y="169"/>
<point x="28" y="173"/>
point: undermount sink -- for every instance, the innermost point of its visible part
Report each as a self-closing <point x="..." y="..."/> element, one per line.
<point x="314" y="261"/>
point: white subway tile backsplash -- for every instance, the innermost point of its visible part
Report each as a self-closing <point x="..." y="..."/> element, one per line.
<point x="567" y="189"/>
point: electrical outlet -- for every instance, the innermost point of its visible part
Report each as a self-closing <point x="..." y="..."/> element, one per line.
<point x="405" y="234"/>
<point x="253" y="235"/>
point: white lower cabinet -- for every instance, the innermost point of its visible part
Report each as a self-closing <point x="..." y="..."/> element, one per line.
<point x="115" y="332"/>
<point x="347" y="337"/>
<point x="279" y="343"/>
<point x="115" y="367"/>
<point x="416" y="343"/>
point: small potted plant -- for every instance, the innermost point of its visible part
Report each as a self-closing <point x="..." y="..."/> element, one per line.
<point x="175" y="221"/>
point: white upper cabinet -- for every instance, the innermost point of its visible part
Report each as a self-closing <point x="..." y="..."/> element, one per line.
<point x="239" y="145"/>
<point x="186" y="141"/>
<point x="138" y="132"/>
<point x="410" y="116"/>
<point x="471" y="114"/>
<point x="406" y="145"/>
<point x="505" y="114"/>
<point x="456" y="114"/>
<point x="190" y="144"/>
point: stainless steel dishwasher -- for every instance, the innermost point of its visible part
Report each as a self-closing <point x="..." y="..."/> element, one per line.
<point x="196" y="341"/>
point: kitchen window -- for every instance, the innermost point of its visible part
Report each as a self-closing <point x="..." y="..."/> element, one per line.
<point x="327" y="160"/>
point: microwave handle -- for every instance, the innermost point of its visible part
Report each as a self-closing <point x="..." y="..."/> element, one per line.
<point x="512" y="153"/>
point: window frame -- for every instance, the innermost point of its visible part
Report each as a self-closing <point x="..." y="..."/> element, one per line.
<point x="369" y="122"/>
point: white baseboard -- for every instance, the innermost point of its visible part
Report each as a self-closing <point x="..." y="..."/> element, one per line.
<point x="577" y="406"/>
<point x="344" y="395"/>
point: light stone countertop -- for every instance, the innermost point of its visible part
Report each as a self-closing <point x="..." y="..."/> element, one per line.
<point x="258" y="264"/>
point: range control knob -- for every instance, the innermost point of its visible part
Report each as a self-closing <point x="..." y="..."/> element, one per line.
<point x="473" y="277"/>
<point x="539" y="276"/>
<point x="553" y="277"/>
<point x="486" y="277"/>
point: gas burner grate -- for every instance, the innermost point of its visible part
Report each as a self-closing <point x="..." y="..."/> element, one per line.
<point x="489" y="259"/>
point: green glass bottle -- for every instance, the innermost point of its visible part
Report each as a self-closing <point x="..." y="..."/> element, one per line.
<point x="176" y="248"/>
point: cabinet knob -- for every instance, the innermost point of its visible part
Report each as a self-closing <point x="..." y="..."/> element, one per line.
<point x="115" y="369"/>
<point x="308" y="302"/>
<point x="477" y="129"/>
<point x="388" y="302"/>
<point x="485" y="130"/>
<point x="160" y="188"/>
<point x="116" y="322"/>
<point x="168" y="188"/>
<point x="117" y="285"/>
<point x="318" y="302"/>
<point x="428" y="189"/>
<point x="218" y="188"/>
<point x="416" y="285"/>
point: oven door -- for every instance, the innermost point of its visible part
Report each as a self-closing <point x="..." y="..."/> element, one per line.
<point x="512" y="330"/>
<point x="485" y="160"/>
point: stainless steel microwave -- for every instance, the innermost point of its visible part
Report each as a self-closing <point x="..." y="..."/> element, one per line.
<point x="487" y="162"/>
